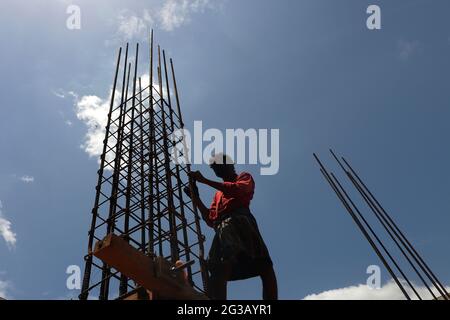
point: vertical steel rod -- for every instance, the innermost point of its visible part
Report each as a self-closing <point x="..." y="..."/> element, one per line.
<point x="124" y="280"/>
<point x="186" y="247"/>
<point x="151" y="249"/>
<point x="142" y="164"/>
<point x="172" y="219"/>
<point x="88" y="267"/>
<point x="203" y="266"/>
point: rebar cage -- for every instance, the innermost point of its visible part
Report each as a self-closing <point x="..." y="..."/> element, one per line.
<point x="139" y="194"/>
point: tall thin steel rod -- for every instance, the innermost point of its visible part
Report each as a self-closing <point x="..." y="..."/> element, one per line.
<point x="339" y="194"/>
<point x="387" y="227"/>
<point x="154" y="157"/>
<point x="172" y="219"/>
<point x="151" y="214"/>
<point x="203" y="266"/>
<point x="366" y="223"/>
<point x="158" y="191"/>
<point x="178" y="178"/>
<point x="177" y="100"/>
<point x="416" y="256"/>
<point x="142" y="163"/>
<point x="118" y="150"/>
<point x="87" y="271"/>
<point x="374" y="210"/>
<point x="106" y="271"/>
<point x="124" y="280"/>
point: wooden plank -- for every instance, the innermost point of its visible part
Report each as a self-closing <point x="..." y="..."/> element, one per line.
<point x="154" y="276"/>
<point x="139" y="293"/>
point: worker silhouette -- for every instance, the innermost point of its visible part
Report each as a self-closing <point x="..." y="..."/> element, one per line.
<point x="238" y="251"/>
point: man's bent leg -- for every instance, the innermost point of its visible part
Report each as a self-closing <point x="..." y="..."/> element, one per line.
<point x="269" y="282"/>
<point x="218" y="282"/>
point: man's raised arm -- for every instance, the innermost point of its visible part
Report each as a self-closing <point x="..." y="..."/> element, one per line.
<point x="204" y="211"/>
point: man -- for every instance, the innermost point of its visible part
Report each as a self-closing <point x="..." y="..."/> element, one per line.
<point x="238" y="250"/>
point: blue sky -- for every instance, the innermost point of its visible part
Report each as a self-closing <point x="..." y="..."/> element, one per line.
<point x="309" y="68"/>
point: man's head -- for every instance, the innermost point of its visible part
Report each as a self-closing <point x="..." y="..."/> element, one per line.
<point x="222" y="165"/>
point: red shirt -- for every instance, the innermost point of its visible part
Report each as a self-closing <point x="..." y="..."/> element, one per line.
<point x="237" y="194"/>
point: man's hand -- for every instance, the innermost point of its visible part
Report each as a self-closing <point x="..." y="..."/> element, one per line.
<point x="197" y="176"/>
<point x="187" y="191"/>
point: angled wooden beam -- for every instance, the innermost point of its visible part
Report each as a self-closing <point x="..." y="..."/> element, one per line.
<point x="152" y="274"/>
<point x="139" y="293"/>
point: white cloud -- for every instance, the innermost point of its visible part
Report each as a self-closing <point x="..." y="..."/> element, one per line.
<point x="93" y="111"/>
<point x="168" y="15"/>
<point x="176" y="13"/>
<point x="62" y="94"/>
<point x="59" y="94"/>
<point x="390" y="291"/>
<point x="4" y="288"/>
<point x="27" y="179"/>
<point x="133" y="26"/>
<point x="5" y="230"/>
<point x="406" y="49"/>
